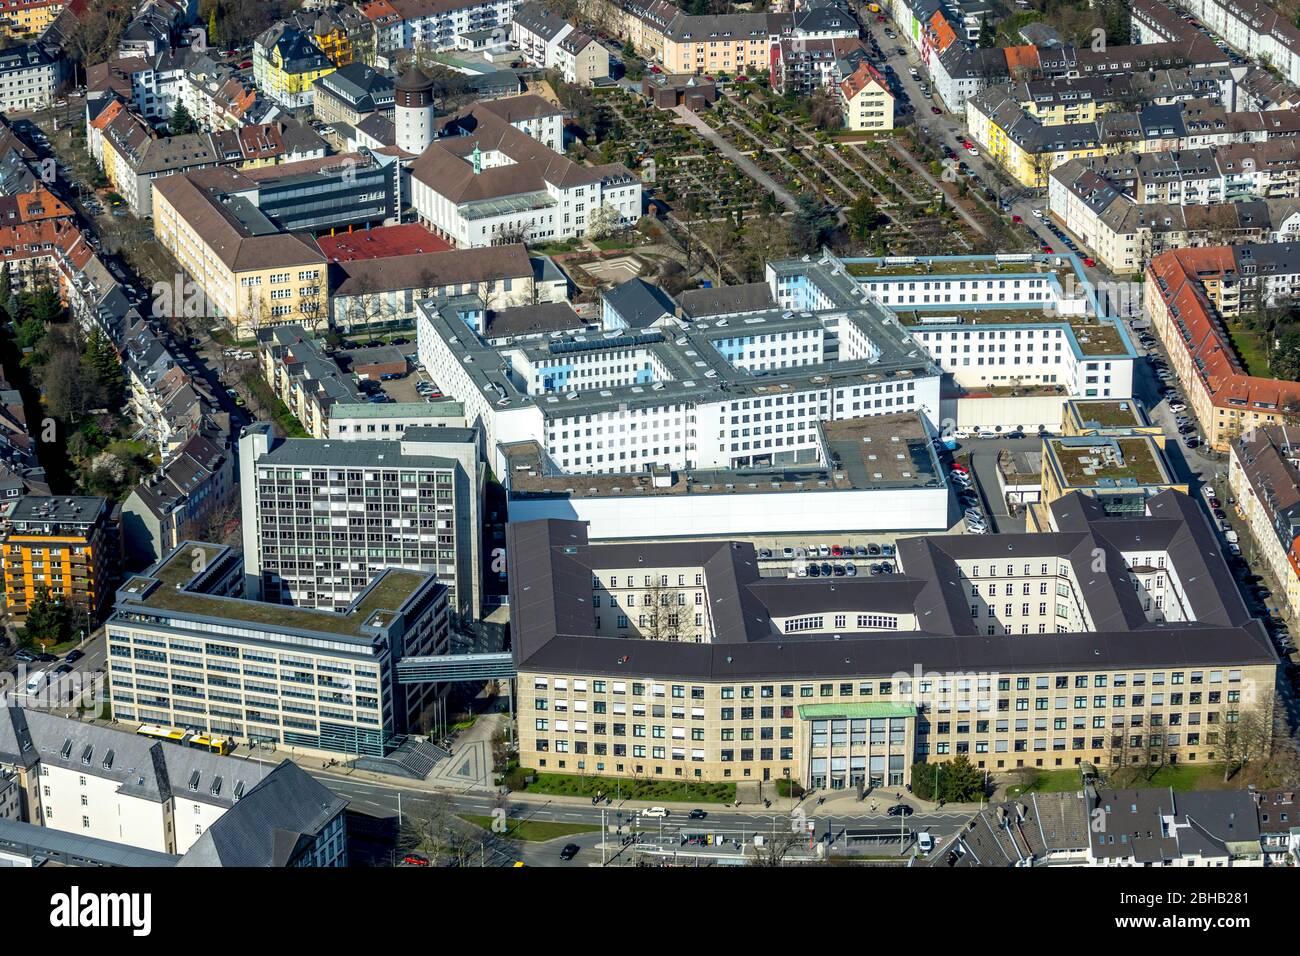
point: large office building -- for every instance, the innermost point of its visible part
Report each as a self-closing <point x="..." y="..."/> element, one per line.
<point x="742" y="390"/>
<point x="322" y="517"/>
<point x="186" y="650"/>
<point x="744" y="384"/>
<point x="1105" y="641"/>
<point x="871" y="474"/>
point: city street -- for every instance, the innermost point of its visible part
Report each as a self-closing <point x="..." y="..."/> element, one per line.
<point x="839" y="813"/>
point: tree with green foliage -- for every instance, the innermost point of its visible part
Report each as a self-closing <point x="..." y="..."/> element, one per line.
<point x="987" y="38"/>
<point x="104" y="368"/>
<point x="214" y="37"/>
<point x="1284" y="363"/>
<point x="810" y="224"/>
<point x="954" y="781"/>
<point x="964" y="782"/>
<point x="31" y="333"/>
<point x="182" y="122"/>
<point x="43" y="304"/>
<point x="48" y="622"/>
<point x="862" y="217"/>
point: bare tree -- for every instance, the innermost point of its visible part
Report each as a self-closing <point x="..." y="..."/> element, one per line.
<point x="776" y="846"/>
<point x="661" y="618"/>
<point x="432" y="828"/>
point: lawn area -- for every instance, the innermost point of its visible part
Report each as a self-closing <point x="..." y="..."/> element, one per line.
<point x="1249" y="347"/>
<point x="613" y="243"/>
<point x="1050" y="781"/>
<point x="283" y="417"/>
<point x="531" y="831"/>
<point x="570" y="785"/>
<point x="553" y="248"/>
<point x="1180" y="777"/>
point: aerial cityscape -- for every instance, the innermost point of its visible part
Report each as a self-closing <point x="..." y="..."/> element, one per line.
<point x="649" y="434"/>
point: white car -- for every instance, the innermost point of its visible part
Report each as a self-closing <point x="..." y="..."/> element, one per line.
<point x="1038" y="214"/>
<point x="973" y="151"/>
<point x="1177" y="407"/>
<point x="976" y="529"/>
<point x="655" y="812"/>
<point x="961" y="433"/>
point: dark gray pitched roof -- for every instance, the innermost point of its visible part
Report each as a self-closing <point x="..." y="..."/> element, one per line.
<point x="554" y="627"/>
<point x="639" y="303"/>
<point x="271" y="824"/>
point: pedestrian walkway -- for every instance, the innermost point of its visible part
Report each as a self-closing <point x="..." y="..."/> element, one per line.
<point x="736" y="156"/>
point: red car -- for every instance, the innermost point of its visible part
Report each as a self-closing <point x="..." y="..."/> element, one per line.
<point x="1016" y="219"/>
<point x="655" y="69"/>
<point x="1048" y="250"/>
<point x="415" y="859"/>
<point x="967" y="144"/>
<point x="837" y="551"/>
<point x="1089" y="261"/>
<point x="246" y="65"/>
<point x="880" y="18"/>
<point x="957" y="466"/>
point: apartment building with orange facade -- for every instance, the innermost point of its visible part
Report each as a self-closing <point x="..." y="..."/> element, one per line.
<point x="1188" y="294"/>
<point x="67" y="545"/>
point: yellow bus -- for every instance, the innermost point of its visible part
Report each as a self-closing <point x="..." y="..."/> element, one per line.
<point x="216" y="745"/>
<point x="178" y="735"/>
<point x="173" y="734"/>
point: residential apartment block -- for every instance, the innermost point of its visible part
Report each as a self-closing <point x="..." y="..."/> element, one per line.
<point x="551" y="42"/>
<point x="1186" y="293"/>
<point x="1131" y="207"/>
<point x="432" y="24"/>
<point x="30" y="76"/>
<point x="175" y="502"/>
<point x="286" y="62"/>
<point x="1264" y="475"/>
<point x="68" y="546"/>
<point x="866" y="103"/>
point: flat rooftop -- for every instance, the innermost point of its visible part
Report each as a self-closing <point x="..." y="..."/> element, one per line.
<point x="881" y="451"/>
<point x="1107" y="414"/>
<point x="694" y="370"/>
<point x="381" y="243"/>
<point x="1092" y="336"/>
<point x="1086" y="462"/>
<point x="172" y="586"/>
<point x="858" y="464"/>
<point x="949" y="267"/>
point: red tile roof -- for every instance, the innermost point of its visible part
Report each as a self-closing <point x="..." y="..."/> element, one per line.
<point x="1178" y="278"/>
<point x="381" y="243"/>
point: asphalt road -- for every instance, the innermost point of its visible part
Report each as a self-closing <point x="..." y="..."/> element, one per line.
<point x="385" y="800"/>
